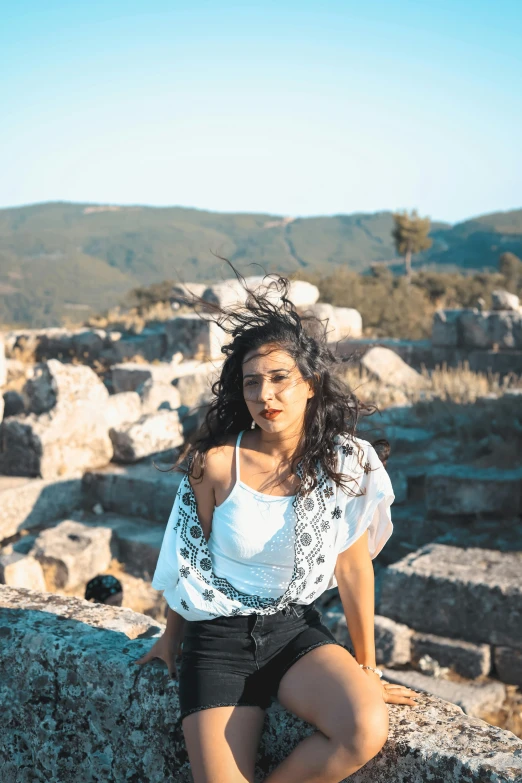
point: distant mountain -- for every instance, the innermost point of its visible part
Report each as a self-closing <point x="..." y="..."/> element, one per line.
<point x="59" y="259"/>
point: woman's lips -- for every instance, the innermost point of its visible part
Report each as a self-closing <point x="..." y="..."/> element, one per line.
<point x="270" y="414"/>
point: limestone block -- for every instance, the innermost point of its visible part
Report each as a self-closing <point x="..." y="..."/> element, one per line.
<point x="504" y="300"/>
<point x="54" y="383"/>
<point x="470" y="594"/>
<point x="122" y="408"/>
<point x="230" y="293"/>
<point x="88" y="345"/>
<point x="195" y="337"/>
<point x="467" y="659"/>
<point x="18" y="570"/>
<point x="3" y="365"/>
<point x="2" y="405"/>
<point x="341" y="323"/>
<point x="138" y="490"/>
<point x="135" y="541"/>
<point x="194" y="382"/>
<point x="71" y="553"/>
<point x="65" y="659"/>
<point x="508" y="664"/>
<point x="489" y="328"/>
<point x="458" y="490"/>
<point x="474" y="329"/>
<point x="29" y="503"/>
<point x="445" y="330"/>
<point x="388" y="367"/>
<point x="184" y="293"/>
<point x="153" y="432"/>
<point x="14" y="404"/>
<point x="474" y="698"/>
<point x="150" y="344"/>
<point x="392" y="640"/>
<point x="304" y="294"/>
<point x="66" y="441"/>
<point x="130" y="375"/>
<point x="155" y="396"/>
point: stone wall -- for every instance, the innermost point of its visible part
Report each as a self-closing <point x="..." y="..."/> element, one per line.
<point x="75" y="709"/>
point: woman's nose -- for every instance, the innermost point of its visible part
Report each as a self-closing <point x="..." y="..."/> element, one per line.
<point x="266" y="391"/>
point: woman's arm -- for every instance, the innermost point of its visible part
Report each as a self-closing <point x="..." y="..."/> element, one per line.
<point x="355" y="579"/>
<point x="354" y="574"/>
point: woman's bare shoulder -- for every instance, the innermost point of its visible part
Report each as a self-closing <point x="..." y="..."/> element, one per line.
<point x="219" y="460"/>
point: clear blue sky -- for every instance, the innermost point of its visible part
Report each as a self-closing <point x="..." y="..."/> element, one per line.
<point x="281" y="107"/>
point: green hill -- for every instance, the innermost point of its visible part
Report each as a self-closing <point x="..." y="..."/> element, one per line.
<point x="61" y="259"/>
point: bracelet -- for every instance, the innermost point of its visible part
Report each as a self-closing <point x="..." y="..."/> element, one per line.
<point x="377" y="671"/>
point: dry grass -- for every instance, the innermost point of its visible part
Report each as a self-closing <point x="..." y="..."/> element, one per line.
<point x="452" y="384"/>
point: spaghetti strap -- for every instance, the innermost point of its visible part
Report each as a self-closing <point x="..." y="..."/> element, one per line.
<point x="237" y="455"/>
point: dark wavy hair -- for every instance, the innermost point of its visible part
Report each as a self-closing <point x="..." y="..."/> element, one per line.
<point x="269" y="318"/>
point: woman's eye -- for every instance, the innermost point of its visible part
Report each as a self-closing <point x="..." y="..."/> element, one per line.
<point x="279" y="378"/>
<point x="249" y="383"/>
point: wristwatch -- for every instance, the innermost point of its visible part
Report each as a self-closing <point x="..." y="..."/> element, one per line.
<point x="377" y="671"/>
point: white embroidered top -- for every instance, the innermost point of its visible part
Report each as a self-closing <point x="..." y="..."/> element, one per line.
<point x="252" y="541"/>
<point x="198" y="582"/>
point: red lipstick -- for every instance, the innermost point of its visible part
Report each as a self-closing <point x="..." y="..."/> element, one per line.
<point x="270" y="414"/>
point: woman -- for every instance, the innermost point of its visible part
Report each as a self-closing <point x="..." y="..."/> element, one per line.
<point x="280" y="502"/>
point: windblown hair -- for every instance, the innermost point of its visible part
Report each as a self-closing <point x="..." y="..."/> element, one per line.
<point x="269" y="318"/>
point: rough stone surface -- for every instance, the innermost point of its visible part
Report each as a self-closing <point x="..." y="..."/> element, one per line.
<point x="341" y="323"/>
<point x="508" y="664"/>
<point x="504" y="300"/>
<point x="66" y="433"/>
<point x="444" y="331"/>
<point x="195" y="337"/>
<point x="392" y="640"/>
<point x="474" y="330"/>
<point x="14" y="404"/>
<point x="230" y="293"/>
<point x="19" y="570"/>
<point x="134" y="490"/>
<point x="122" y="408"/>
<point x="54" y="384"/>
<point x="470" y="594"/>
<point x="155" y="396"/>
<point x="474" y="698"/>
<point x="152" y="433"/>
<point x="71" y="553"/>
<point x="77" y="710"/>
<point x="389" y="368"/>
<point x="467" y="659"/>
<point x="150" y="344"/>
<point x="457" y="490"/>
<point x="194" y="382"/>
<point x="25" y="504"/>
<point x="184" y="293"/>
<point x="135" y="542"/>
<point x="130" y="375"/>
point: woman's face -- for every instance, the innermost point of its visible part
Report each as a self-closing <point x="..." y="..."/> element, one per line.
<point x="275" y="392"/>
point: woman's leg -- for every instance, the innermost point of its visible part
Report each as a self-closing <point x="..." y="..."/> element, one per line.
<point x="222" y="743"/>
<point x="328" y="689"/>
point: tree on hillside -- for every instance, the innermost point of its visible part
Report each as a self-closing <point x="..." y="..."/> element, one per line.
<point x="410" y="234"/>
<point x="510" y="266"/>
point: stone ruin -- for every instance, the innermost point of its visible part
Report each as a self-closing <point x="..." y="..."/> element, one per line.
<point x="84" y="419"/>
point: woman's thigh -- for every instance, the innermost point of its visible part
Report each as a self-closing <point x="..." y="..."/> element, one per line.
<point x="327" y="688"/>
<point x="222" y="743"/>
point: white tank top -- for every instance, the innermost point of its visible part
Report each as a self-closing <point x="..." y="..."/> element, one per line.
<point x="252" y="539"/>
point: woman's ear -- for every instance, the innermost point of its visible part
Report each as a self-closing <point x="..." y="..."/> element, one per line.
<point x="311" y="389"/>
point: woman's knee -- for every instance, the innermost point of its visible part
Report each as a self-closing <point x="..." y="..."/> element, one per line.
<point x="367" y="735"/>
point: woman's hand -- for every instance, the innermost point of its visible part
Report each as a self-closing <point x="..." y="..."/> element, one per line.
<point x="391" y="693"/>
<point x="166" y="648"/>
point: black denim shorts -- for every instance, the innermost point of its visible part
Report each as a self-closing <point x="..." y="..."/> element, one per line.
<point x="232" y="661"/>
